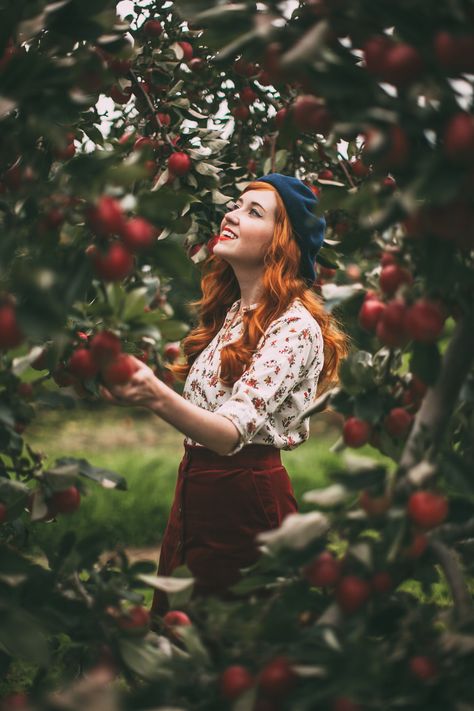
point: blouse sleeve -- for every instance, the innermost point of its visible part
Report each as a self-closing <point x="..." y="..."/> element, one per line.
<point x="287" y="353"/>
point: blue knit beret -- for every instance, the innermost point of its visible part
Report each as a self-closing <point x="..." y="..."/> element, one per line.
<point x="300" y="203"/>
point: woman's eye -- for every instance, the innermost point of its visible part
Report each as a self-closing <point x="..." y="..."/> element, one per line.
<point x="255" y="212"/>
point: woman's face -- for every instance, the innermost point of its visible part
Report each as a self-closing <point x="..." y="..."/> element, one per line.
<point x="247" y="229"/>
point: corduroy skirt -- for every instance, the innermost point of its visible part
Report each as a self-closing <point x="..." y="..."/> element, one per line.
<point x="220" y="504"/>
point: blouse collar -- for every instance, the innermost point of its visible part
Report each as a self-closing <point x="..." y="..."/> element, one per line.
<point x="236" y="306"/>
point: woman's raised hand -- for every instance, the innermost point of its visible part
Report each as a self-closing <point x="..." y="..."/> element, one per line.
<point x="142" y="388"/>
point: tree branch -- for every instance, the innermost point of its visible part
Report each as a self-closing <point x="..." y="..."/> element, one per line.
<point x="454" y="576"/>
<point x="149" y="103"/>
<point x="435" y="412"/>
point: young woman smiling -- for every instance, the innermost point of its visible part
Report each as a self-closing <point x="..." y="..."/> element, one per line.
<point x="262" y="349"/>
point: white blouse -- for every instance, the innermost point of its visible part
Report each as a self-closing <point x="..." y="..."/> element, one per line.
<point x="279" y="384"/>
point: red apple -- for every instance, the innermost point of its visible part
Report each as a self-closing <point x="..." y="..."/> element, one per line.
<point x="105" y="346"/>
<point x="11" y="334"/>
<point x="82" y="364"/>
<point x="153" y="28"/>
<point x="352" y="593"/>
<point x="277" y="678"/>
<point x="459" y="138"/>
<point x="106" y="218"/>
<point x="310" y="114"/>
<point x="234" y="681"/>
<point x="381" y="582"/>
<point x="187" y="51"/>
<point x="374" y="505"/>
<point x="370" y="313"/>
<point x="241" y="112"/>
<point x="323" y="571"/>
<point x="427" y="509"/>
<point x="179" y="164"/>
<point x="135" y="621"/>
<point x="138" y="234"/>
<point x="392" y="277"/>
<point x="455" y="52"/>
<point x="424" y="321"/>
<point x="119" y="370"/>
<point x="64" y="502"/>
<point x="248" y="96"/>
<point x="356" y="432"/>
<point x="114" y="264"/>
<point x="423" y="668"/>
<point x="398" y="422"/>
<point x="402" y="64"/>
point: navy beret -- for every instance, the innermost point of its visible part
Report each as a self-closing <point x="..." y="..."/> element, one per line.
<point x="300" y="203"/>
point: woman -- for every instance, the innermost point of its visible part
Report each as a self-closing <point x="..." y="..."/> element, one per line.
<point x="253" y="364"/>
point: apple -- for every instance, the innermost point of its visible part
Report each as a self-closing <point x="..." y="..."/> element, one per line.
<point x="3" y="512"/>
<point x="153" y="28"/>
<point x="241" y="112"/>
<point x="138" y="234"/>
<point x="389" y="183"/>
<point x="106" y="218"/>
<point x="310" y="114"/>
<point x="356" y="432"/>
<point x="398" y="422"/>
<point x="381" y="582"/>
<point x="114" y="264"/>
<point x="244" y="68"/>
<point x="247" y="95"/>
<point x="423" y="668"/>
<point x="11" y="334"/>
<point x="171" y="351"/>
<point x="15" y="701"/>
<point x="390" y="329"/>
<point x="392" y="277"/>
<point x="119" y="370"/>
<point x="427" y="509"/>
<point x="402" y="64"/>
<point x="105" y="346"/>
<point x="144" y="142"/>
<point x="359" y="168"/>
<point x="65" y="153"/>
<point x="455" y="52"/>
<point x="252" y="165"/>
<point x="326" y="174"/>
<point x="277" y="678"/>
<point x="374" y="51"/>
<point x="374" y="505"/>
<point x="424" y="321"/>
<point x="64" y="502"/>
<point x="417" y="546"/>
<point x="458" y="138"/>
<point x="196" y="64"/>
<point x="135" y="621"/>
<point x="187" y="51"/>
<point x="82" y="364"/>
<point x="323" y="571"/>
<point x="352" y="593"/>
<point x="119" y="95"/>
<point x="163" y="118"/>
<point x="388" y="154"/>
<point x="370" y="313"/>
<point x="179" y="164"/>
<point x="234" y="681"/>
<point x="25" y="390"/>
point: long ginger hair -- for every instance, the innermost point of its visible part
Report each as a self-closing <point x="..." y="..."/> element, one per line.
<point x="281" y="285"/>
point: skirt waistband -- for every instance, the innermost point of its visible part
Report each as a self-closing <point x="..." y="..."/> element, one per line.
<point x="253" y="454"/>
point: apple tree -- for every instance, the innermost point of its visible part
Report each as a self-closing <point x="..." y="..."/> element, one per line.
<point x="363" y="600"/>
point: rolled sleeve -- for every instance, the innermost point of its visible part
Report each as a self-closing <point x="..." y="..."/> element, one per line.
<point x="279" y="364"/>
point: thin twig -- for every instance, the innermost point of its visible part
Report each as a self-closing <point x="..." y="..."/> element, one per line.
<point x="342" y="163"/>
<point x="149" y="102"/>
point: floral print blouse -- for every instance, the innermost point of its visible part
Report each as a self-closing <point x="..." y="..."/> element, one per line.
<point x="278" y="385"/>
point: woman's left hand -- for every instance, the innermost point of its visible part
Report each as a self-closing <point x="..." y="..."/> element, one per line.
<point x="143" y="388"/>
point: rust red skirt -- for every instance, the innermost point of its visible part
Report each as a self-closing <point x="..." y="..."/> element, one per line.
<point x="219" y="506"/>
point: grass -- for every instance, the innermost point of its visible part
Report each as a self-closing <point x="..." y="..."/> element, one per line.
<point x="147" y="452"/>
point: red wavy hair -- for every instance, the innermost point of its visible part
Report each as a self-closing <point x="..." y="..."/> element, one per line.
<point x="281" y="286"/>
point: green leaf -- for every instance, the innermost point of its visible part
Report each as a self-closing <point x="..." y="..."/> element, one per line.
<point x="106" y="478"/>
<point x="144" y="658"/>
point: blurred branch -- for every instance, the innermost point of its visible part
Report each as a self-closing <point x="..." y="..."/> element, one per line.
<point x="149" y="103"/>
<point x="454" y="576"/>
<point x="437" y="407"/>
